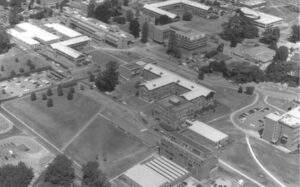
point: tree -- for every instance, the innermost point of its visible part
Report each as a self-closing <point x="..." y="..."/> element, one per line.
<point x="200" y="75"/>
<point x="70" y="96"/>
<point x="108" y="79"/>
<point x="220" y="47"/>
<point x="295" y="34"/>
<point x="16" y="60"/>
<point x="4" y="42"/>
<point x="271" y="36"/>
<point x="44" y="97"/>
<point x="93" y="176"/>
<point x="49" y="92"/>
<point x="33" y="96"/>
<point x="49" y="102"/>
<point x="281" y="53"/>
<point x="103" y="13"/>
<point x="249" y="90"/>
<point x="129" y="15"/>
<point x="187" y="16"/>
<point x="72" y="90"/>
<point x="91" y="8"/>
<point x="92" y="78"/>
<point x="134" y="28"/>
<point x="60" y="91"/>
<point x="240" y="90"/>
<point x="38" y="2"/>
<point x="16" y="175"/>
<point x="125" y="3"/>
<point x="162" y="20"/>
<point x="145" y="32"/>
<point x="14" y="17"/>
<point x="13" y="73"/>
<point x="2" y="68"/>
<point x="60" y="171"/>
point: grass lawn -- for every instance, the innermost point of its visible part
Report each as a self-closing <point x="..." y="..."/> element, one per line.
<point x="10" y="64"/>
<point x="282" y="165"/>
<point x="101" y="58"/>
<point x="281" y="103"/>
<point x="111" y="145"/>
<point x="59" y="123"/>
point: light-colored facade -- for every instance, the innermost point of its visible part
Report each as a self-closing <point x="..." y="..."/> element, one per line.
<point x="261" y="19"/>
<point x="128" y="71"/>
<point x="254" y="4"/>
<point x="283" y="130"/>
<point x="190" y="155"/>
<point x="156" y="10"/>
<point x="98" y="30"/>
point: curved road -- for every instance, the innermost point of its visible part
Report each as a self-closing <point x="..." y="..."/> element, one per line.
<point x="253" y="134"/>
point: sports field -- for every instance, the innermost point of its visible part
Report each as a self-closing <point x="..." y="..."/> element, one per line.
<point x="59" y="123"/>
<point x="115" y="149"/>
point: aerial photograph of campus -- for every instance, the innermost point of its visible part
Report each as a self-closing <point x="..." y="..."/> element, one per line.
<point x="149" y="93"/>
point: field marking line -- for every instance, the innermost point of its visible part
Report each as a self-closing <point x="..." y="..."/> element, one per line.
<point x="240" y="172"/>
<point x="86" y="125"/>
<point x="37" y="134"/>
<point x="277" y="108"/>
<point x="217" y="118"/>
<point x="260" y="165"/>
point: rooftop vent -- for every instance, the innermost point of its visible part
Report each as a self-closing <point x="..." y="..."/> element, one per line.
<point x="174" y="100"/>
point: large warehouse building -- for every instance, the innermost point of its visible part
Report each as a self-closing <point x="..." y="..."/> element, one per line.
<point x="283" y="130"/>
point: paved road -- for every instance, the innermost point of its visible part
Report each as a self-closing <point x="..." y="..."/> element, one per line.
<point x="277" y="108"/>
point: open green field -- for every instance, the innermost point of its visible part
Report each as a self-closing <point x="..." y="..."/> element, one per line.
<point x="115" y="149"/>
<point x="59" y="123"/>
<point x="282" y="165"/>
<point x="18" y="64"/>
<point x="281" y="103"/>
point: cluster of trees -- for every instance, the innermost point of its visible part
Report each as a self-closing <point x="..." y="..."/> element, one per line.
<point x="187" y="16"/>
<point x="248" y="90"/>
<point x="44" y="13"/>
<point x="109" y="78"/>
<point x="110" y="8"/>
<point x="295" y="34"/>
<point x="4" y="42"/>
<point x="134" y="28"/>
<point x="271" y="36"/>
<point x="162" y="20"/>
<point x="211" y="3"/>
<point x="16" y="175"/>
<point x="238" y="28"/>
<point x="15" y="8"/>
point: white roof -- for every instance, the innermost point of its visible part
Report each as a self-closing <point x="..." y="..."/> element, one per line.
<point x="292" y="117"/>
<point x="167" y="77"/>
<point x="273" y="116"/>
<point x="207" y="131"/>
<point x="252" y="2"/>
<point x="64" y="46"/>
<point x="145" y="176"/>
<point x="32" y="31"/>
<point x="21" y="37"/>
<point x="63" y="29"/>
<point x="260" y="17"/>
<point x="156" y="7"/>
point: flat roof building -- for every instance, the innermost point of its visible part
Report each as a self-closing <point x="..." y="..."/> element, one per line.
<point x="211" y="134"/>
<point x="283" y="129"/>
<point x="260" y="54"/>
<point x="63" y="30"/>
<point x="155" y="172"/>
<point x="252" y="3"/>
<point x="163" y="8"/>
<point x="262" y="19"/>
<point x="69" y="48"/>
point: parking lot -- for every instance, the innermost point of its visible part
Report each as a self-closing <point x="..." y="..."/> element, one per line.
<point x="254" y="118"/>
<point x="19" y="86"/>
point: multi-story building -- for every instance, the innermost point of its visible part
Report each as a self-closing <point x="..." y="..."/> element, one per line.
<point x="262" y="19"/>
<point x="177" y="98"/>
<point x="186" y="39"/>
<point x="83" y="5"/>
<point x="254" y="4"/>
<point x="189" y="154"/>
<point x="156" y="10"/>
<point x="283" y="130"/>
<point x="98" y="31"/>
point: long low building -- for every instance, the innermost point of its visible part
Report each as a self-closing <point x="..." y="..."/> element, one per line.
<point x="70" y="48"/>
<point x="210" y="134"/>
<point x="163" y="8"/>
<point x="155" y="172"/>
<point x="262" y="19"/>
<point x="63" y="30"/>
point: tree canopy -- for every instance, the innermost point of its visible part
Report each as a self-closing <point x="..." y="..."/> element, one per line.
<point x="162" y="20"/>
<point x="187" y="16"/>
<point x="93" y="176"/>
<point x="91" y="8"/>
<point x="295" y="34"/>
<point x="108" y="9"/>
<point x="271" y="36"/>
<point x="4" y="42"/>
<point x="60" y="171"/>
<point x="281" y="53"/>
<point x="239" y="27"/>
<point x="16" y="175"/>
<point x="145" y="31"/>
<point x="134" y="28"/>
<point x="109" y="78"/>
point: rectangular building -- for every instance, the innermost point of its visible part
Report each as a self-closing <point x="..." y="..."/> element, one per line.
<point x="155" y="172"/>
<point x="99" y="31"/>
<point x="283" y="130"/>
<point x="254" y="4"/>
<point x="191" y="155"/>
<point x="66" y="31"/>
<point x="209" y="134"/>
<point x="261" y="19"/>
<point x="128" y="71"/>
